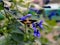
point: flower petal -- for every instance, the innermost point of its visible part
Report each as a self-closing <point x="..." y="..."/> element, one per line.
<point x="33" y="25"/>
<point x="28" y="15"/>
<point x="22" y="18"/>
<point x="34" y="28"/>
<point x="40" y="24"/>
<point x="25" y="17"/>
<point x="36" y="33"/>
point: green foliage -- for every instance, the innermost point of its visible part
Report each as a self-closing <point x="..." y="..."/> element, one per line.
<point x="1" y="6"/>
<point x="16" y="33"/>
<point x="44" y="40"/>
<point x="47" y="29"/>
<point x="1" y="16"/>
<point x="51" y="22"/>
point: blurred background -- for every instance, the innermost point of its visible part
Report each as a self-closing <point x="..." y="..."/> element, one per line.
<point x="17" y="9"/>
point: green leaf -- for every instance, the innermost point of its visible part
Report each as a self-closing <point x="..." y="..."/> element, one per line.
<point x="43" y="40"/>
<point x="47" y="29"/>
<point x="17" y="37"/>
<point x="1" y="6"/>
<point x="31" y="12"/>
<point x="51" y="22"/>
<point x="34" y="17"/>
<point x="17" y="31"/>
<point x="1" y="17"/>
<point x="2" y="40"/>
<point x="14" y="29"/>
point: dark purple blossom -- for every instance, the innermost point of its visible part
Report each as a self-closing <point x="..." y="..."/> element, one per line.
<point x="25" y="17"/>
<point x="41" y="24"/>
<point x="33" y="25"/>
<point x="37" y="33"/>
<point x="28" y="15"/>
<point x="53" y="13"/>
<point x="33" y="9"/>
<point x="37" y="24"/>
<point x="36" y="10"/>
<point x="34" y="28"/>
<point x="39" y="11"/>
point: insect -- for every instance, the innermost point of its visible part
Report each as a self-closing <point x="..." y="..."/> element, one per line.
<point x="28" y="22"/>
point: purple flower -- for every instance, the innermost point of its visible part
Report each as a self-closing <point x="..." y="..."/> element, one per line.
<point x="33" y="9"/>
<point x="39" y="11"/>
<point x="53" y="13"/>
<point x="28" y="15"/>
<point x="33" y="25"/>
<point x="40" y="24"/>
<point x="37" y="33"/>
<point x="34" y="28"/>
<point x="25" y="17"/>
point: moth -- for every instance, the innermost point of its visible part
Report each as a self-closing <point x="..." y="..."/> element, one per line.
<point x="28" y="22"/>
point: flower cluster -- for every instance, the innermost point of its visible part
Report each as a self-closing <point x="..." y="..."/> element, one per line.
<point x="36" y="31"/>
<point x="34" y="25"/>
